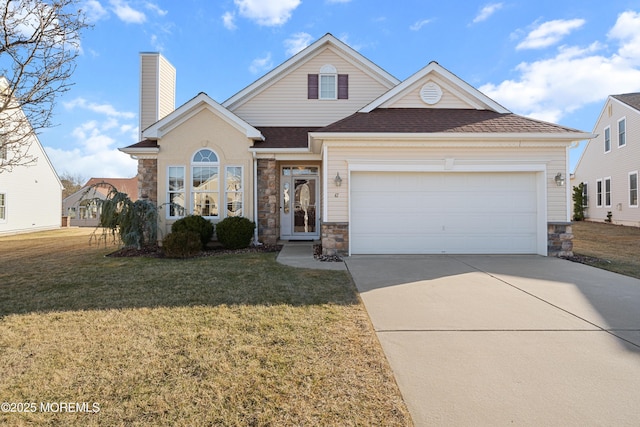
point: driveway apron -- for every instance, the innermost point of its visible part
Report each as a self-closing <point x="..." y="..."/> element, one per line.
<point x="506" y="340"/>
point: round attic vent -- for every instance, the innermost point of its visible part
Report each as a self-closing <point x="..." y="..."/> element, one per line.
<point x="431" y="93"/>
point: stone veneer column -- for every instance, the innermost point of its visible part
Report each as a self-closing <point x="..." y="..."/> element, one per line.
<point x="268" y="214"/>
<point x="148" y="179"/>
<point x="335" y="238"/>
<point x="560" y="239"/>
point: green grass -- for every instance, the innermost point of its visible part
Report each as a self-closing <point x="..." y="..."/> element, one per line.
<point x="611" y="247"/>
<point x="224" y="340"/>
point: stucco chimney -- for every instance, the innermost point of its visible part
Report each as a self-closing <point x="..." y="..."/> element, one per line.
<point x="157" y="88"/>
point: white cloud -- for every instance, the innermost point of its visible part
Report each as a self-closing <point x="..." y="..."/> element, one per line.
<point x="94" y="11"/>
<point x="626" y="30"/>
<point x="487" y="11"/>
<point x="549" y="89"/>
<point x="126" y="13"/>
<point x="105" y="109"/>
<point x="261" y="64"/>
<point x="155" y="8"/>
<point x="419" y="24"/>
<point x="297" y="42"/>
<point x="549" y="33"/>
<point x="228" y="21"/>
<point x="107" y="163"/>
<point x="267" y="12"/>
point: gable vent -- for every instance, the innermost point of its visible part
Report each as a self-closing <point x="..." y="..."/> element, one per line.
<point x="431" y="93"/>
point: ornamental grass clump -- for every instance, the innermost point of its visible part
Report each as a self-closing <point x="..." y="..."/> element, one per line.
<point x="235" y="232"/>
<point x="197" y="224"/>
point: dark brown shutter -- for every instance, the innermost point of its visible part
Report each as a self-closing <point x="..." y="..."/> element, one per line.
<point x="312" y="86"/>
<point x="343" y="86"/>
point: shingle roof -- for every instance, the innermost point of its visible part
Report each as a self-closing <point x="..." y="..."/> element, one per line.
<point x="284" y="137"/>
<point x="426" y="120"/>
<point x="146" y="143"/>
<point x="123" y="185"/>
<point x="632" y="99"/>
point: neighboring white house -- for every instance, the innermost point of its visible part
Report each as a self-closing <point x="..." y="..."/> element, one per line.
<point x="329" y="146"/>
<point x="30" y="196"/>
<point x="610" y="163"/>
<point x="82" y="207"/>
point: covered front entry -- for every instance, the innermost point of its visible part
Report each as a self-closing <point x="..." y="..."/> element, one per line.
<point x="299" y="195"/>
<point x="446" y="212"/>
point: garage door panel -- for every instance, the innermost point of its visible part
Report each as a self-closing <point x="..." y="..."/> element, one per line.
<point x="443" y="213"/>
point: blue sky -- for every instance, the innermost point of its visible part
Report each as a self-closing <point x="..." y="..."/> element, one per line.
<point x="551" y="60"/>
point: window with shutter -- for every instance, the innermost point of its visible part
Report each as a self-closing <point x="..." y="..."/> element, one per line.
<point x="312" y="86"/>
<point x="343" y="86"/>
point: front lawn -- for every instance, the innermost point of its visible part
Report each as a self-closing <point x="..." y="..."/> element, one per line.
<point x="225" y="340"/>
<point x="611" y="247"/>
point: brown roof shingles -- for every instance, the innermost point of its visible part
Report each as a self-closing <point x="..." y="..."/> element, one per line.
<point x="284" y="137"/>
<point x="426" y="120"/>
<point x="631" y="99"/>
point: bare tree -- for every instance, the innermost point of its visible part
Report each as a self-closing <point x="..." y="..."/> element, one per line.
<point x="71" y="183"/>
<point x="39" y="43"/>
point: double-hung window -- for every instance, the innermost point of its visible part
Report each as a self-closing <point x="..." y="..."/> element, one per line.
<point x="607" y="139"/>
<point x="599" y="193"/>
<point x="176" y="194"/>
<point x="622" y="132"/>
<point x="585" y="195"/>
<point x="205" y="184"/>
<point x="633" y="189"/>
<point x="234" y="190"/>
<point x="328" y="82"/>
<point x="607" y="192"/>
<point x="3" y="207"/>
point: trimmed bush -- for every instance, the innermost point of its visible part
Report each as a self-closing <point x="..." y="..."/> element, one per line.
<point x="197" y="224"/>
<point x="235" y="232"/>
<point x="182" y="244"/>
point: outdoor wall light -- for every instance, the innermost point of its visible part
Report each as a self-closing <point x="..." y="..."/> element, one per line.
<point x="559" y="179"/>
<point x="337" y="180"/>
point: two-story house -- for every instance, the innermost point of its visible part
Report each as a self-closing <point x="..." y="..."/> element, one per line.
<point x="609" y="165"/>
<point x="330" y="146"/>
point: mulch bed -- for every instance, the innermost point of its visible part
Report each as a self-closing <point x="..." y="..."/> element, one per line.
<point x="155" y="251"/>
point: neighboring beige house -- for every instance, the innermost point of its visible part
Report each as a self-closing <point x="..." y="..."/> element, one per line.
<point x="82" y="207"/>
<point x="610" y="163"/>
<point x="329" y="146"/>
<point x="30" y="196"/>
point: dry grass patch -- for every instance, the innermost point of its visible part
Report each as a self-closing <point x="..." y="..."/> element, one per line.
<point x="614" y="247"/>
<point x="229" y="340"/>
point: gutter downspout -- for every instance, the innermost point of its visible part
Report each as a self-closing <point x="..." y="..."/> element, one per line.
<point x="255" y="199"/>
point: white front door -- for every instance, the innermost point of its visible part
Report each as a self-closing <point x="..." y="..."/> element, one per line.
<point x="299" y="203"/>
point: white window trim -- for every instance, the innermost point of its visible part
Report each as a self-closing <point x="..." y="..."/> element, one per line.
<point x="186" y="201"/>
<point x="585" y="195"/>
<point x="328" y="70"/>
<point x="604" y="136"/>
<point x="629" y="188"/>
<point x="599" y="196"/>
<point x="625" y="132"/>
<point x="191" y="190"/>
<point x="604" y="191"/>
<point x="241" y="188"/>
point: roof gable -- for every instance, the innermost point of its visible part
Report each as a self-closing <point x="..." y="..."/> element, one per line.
<point x="327" y="41"/>
<point x="191" y="108"/>
<point x="435" y="87"/>
<point x="631" y="99"/>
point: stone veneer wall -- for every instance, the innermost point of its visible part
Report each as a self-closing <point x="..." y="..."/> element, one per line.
<point x="148" y="179"/>
<point x="560" y="239"/>
<point x="335" y="238"/>
<point x="268" y="215"/>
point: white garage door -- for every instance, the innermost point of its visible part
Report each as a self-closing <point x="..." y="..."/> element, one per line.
<point x="434" y="213"/>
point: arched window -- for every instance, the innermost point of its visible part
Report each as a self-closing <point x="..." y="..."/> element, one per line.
<point x="205" y="183"/>
<point x="328" y="82"/>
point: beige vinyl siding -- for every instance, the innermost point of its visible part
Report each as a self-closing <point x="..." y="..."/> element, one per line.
<point x="595" y="164"/>
<point x="340" y="157"/>
<point x="204" y="130"/>
<point x="285" y="102"/>
<point x="157" y="88"/>
<point x="412" y="99"/>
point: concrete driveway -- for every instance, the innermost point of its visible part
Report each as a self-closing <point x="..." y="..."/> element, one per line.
<point x="506" y="340"/>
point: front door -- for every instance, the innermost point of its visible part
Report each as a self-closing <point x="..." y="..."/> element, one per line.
<point x="299" y="203"/>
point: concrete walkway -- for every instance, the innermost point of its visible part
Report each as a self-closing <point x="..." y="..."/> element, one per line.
<point x="506" y="340"/>
<point x="300" y="254"/>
